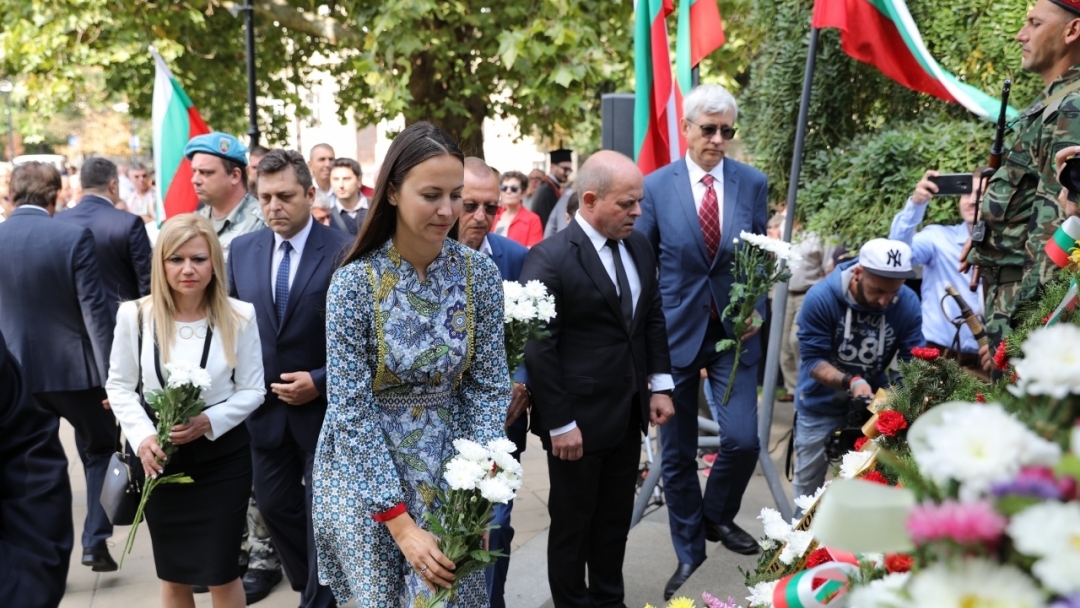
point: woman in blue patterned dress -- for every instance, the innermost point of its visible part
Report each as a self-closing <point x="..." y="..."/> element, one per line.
<point x="414" y="360"/>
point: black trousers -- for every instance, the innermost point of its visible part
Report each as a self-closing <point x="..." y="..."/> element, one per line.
<point x="591" y="502"/>
<point x="285" y="505"/>
<point x="95" y="438"/>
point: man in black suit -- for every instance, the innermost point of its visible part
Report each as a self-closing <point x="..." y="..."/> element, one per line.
<point x="123" y="249"/>
<point x="59" y="327"/>
<point x="598" y="381"/>
<point x="35" y="499"/>
<point x="284" y="270"/>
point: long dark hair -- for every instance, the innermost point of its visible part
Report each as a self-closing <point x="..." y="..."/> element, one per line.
<point x="417" y="143"/>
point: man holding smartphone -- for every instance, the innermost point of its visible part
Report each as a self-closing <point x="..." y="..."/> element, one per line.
<point x="936" y="248"/>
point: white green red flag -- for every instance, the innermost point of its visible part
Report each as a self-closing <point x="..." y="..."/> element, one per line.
<point x="176" y="120"/>
<point x="700" y="32"/>
<point x="883" y="34"/>
<point x="656" y="110"/>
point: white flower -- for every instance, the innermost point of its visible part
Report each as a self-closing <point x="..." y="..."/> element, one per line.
<point x="805" y="502"/>
<point x="511" y="479"/>
<point x="501" y="445"/>
<point x="977" y="445"/>
<point x="464" y="474"/>
<point x="761" y="594"/>
<point x="179" y="373"/>
<point x="798" y="542"/>
<point x="545" y="309"/>
<point x="853" y="463"/>
<point x="877" y="559"/>
<point x="973" y="582"/>
<point x="523" y="310"/>
<point x="1051" y="363"/>
<point x="495" y="490"/>
<point x="767" y="544"/>
<point x="512" y="291"/>
<point x="504" y="461"/>
<point x="781" y="249"/>
<point x="201" y="378"/>
<point x="880" y="593"/>
<point x="470" y="450"/>
<point x="1051" y="532"/>
<point x="535" y="290"/>
<point x="775" y="526"/>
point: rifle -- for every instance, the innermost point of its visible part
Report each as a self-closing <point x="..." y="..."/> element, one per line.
<point x="969" y="317"/>
<point x="978" y="227"/>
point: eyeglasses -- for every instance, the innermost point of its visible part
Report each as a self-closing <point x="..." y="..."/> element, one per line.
<point x="567" y="168"/>
<point x="471" y="207"/>
<point x="507" y="188"/>
<point x="709" y="131"/>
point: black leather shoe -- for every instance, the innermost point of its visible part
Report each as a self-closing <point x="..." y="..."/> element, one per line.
<point x="259" y="583"/>
<point x="99" y="560"/>
<point x="682" y="573"/>
<point x="733" y="537"/>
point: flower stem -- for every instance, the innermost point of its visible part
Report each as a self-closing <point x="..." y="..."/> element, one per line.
<point x="734" y="368"/>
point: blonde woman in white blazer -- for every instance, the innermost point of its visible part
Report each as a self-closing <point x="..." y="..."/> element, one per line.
<point x="194" y="528"/>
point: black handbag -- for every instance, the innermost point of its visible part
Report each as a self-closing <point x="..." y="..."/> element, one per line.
<point x="122" y="490"/>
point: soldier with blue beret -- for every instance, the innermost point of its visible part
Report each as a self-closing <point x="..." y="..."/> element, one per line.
<point x="219" y="174"/>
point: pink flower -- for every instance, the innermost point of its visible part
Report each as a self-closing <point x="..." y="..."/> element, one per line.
<point x="965" y="523"/>
<point x="713" y="602"/>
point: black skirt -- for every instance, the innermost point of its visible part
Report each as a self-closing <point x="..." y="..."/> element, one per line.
<point x="197" y="528"/>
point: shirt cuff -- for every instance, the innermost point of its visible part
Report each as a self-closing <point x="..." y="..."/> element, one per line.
<point x="661" y="382"/>
<point x="389" y="514"/>
<point x="562" y="430"/>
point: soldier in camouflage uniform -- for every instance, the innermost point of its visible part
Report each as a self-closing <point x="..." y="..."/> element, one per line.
<point x="1020" y="209"/>
<point x="218" y="163"/>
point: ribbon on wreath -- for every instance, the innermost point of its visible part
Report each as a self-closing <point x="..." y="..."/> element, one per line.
<point x="797" y="590"/>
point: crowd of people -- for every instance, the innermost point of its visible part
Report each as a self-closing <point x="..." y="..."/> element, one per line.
<point x="330" y="315"/>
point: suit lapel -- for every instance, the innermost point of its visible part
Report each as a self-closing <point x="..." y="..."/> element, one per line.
<point x="645" y="280"/>
<point x="309" y="261"/>
<point x="264" y="256"/>
<point x="590" y="261"/>
<point x="497" y="253"/>
<point x="684" y="195"/>
<point x="731" y="198"/>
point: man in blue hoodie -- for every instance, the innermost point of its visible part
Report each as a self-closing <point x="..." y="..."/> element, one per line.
<point x="851" y="326"/>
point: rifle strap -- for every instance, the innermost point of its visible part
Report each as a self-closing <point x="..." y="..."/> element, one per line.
<point x="1053" y="102"/>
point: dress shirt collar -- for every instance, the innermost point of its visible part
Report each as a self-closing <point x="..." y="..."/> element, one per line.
<point x="95" y="198"/>
<point x="362" y="203"/>
<point x="598" y="240"/>
<point x="696" y="173"/>
<point x="297" y="241"/>
<point x="485" y="247"/>
<point x="33" y="207"/>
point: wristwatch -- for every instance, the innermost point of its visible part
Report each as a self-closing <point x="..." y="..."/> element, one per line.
<point x="848" y="377"/>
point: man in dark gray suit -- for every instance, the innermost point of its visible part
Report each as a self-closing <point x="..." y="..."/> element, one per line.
<point x="123" y="249"/>
<point x="59" y="327"/>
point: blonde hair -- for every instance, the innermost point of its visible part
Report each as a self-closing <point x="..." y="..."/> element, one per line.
<point x="221" y="317"/>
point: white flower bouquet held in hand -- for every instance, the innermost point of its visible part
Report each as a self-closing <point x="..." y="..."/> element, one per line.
<point x="528" y="309"/>
<point x="756" y="269"/>
<point x="477" y="478"/>
<point x="176" y="403"/>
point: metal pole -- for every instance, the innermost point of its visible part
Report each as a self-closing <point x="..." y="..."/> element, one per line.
<point x="253" y="123"/>
<point x="776" y="331"/>
<point x="695" y="76"/>
<point x="10" y="129"/>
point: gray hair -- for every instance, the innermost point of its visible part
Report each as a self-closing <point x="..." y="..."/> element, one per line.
<point x="136" y="166"/>
<point x="709" y="99"/>
<point x="322" y="201"/>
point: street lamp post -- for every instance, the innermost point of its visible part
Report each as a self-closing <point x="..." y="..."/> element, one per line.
<point x="249" y="25"/>
<point x="6" y="87"/>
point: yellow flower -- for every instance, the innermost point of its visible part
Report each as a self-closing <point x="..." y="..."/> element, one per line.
<point x="1074" y="255"/>
<point x="682" y="602"/>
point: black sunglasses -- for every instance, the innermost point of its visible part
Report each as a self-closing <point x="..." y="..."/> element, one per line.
<point x="471" y="207"/>
<point x="508" y="188"/>
<point x="709" y="131"/>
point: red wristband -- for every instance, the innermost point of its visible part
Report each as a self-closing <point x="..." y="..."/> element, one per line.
<point x="389" y="514"/>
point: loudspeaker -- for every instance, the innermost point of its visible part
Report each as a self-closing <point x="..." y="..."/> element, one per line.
<point x="617" y="122"/>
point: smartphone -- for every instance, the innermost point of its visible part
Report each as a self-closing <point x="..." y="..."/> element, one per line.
<point x="952" y="184"/>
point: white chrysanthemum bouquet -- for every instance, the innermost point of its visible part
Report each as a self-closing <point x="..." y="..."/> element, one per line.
<point x="478" y="477"/>
<point x="176" y="403"/>
<point x="526" y="313"/>
<point x="756" y="269"/>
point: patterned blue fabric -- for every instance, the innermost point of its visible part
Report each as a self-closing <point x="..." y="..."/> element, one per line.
<point x="281" y="285"/>
<point x="411" y="366"/>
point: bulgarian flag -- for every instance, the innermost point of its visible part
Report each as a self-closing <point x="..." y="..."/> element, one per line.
<point x="700" y="33"/>
<point x="656" y="109"/>
<point x="883" y="34"/>
<point x="176" y="120"/>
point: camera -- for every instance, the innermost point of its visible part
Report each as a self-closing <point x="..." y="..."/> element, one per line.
<point x="842" y="439"/>
<point x="1070" y="176"/>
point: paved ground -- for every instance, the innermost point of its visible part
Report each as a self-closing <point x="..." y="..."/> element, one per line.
<point x="650" y="559"/>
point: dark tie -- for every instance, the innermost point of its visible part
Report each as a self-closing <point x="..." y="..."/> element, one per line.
<point x="709" y="215"/>
<point x="626" y="299"/>
<point x="281" y="289"/>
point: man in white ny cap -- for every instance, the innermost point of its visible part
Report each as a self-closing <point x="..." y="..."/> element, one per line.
<point x="851" y="326"/>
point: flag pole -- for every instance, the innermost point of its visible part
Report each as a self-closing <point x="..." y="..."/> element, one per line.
<point x="776" y="330"/>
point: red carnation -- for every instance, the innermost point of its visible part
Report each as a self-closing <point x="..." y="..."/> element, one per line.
<point x="860" y="442"/>
<point x="1000" y="361"/>
<point x="876" y="477"/>
<point x="925" y="353"/>
<point x="980" y="398"/>
<point x="890" y="422"/>
<point x="818" y="557"/>
<point x="898" y="562"/>
<point x="1046" y="319"/>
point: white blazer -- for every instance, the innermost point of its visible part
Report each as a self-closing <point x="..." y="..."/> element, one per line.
<point x="234" y="392"/>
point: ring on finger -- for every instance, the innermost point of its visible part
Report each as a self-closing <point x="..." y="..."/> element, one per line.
<point x="423" y="571"/>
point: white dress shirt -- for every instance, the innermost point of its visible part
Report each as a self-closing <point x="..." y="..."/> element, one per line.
<point x="658" y="382"/>
<point x="298" y="241"/>
<point x="698" y="188"/>
<point x="485" y="247"/>
<point x="235" y="392"/>
<point x="362" y="203"/>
